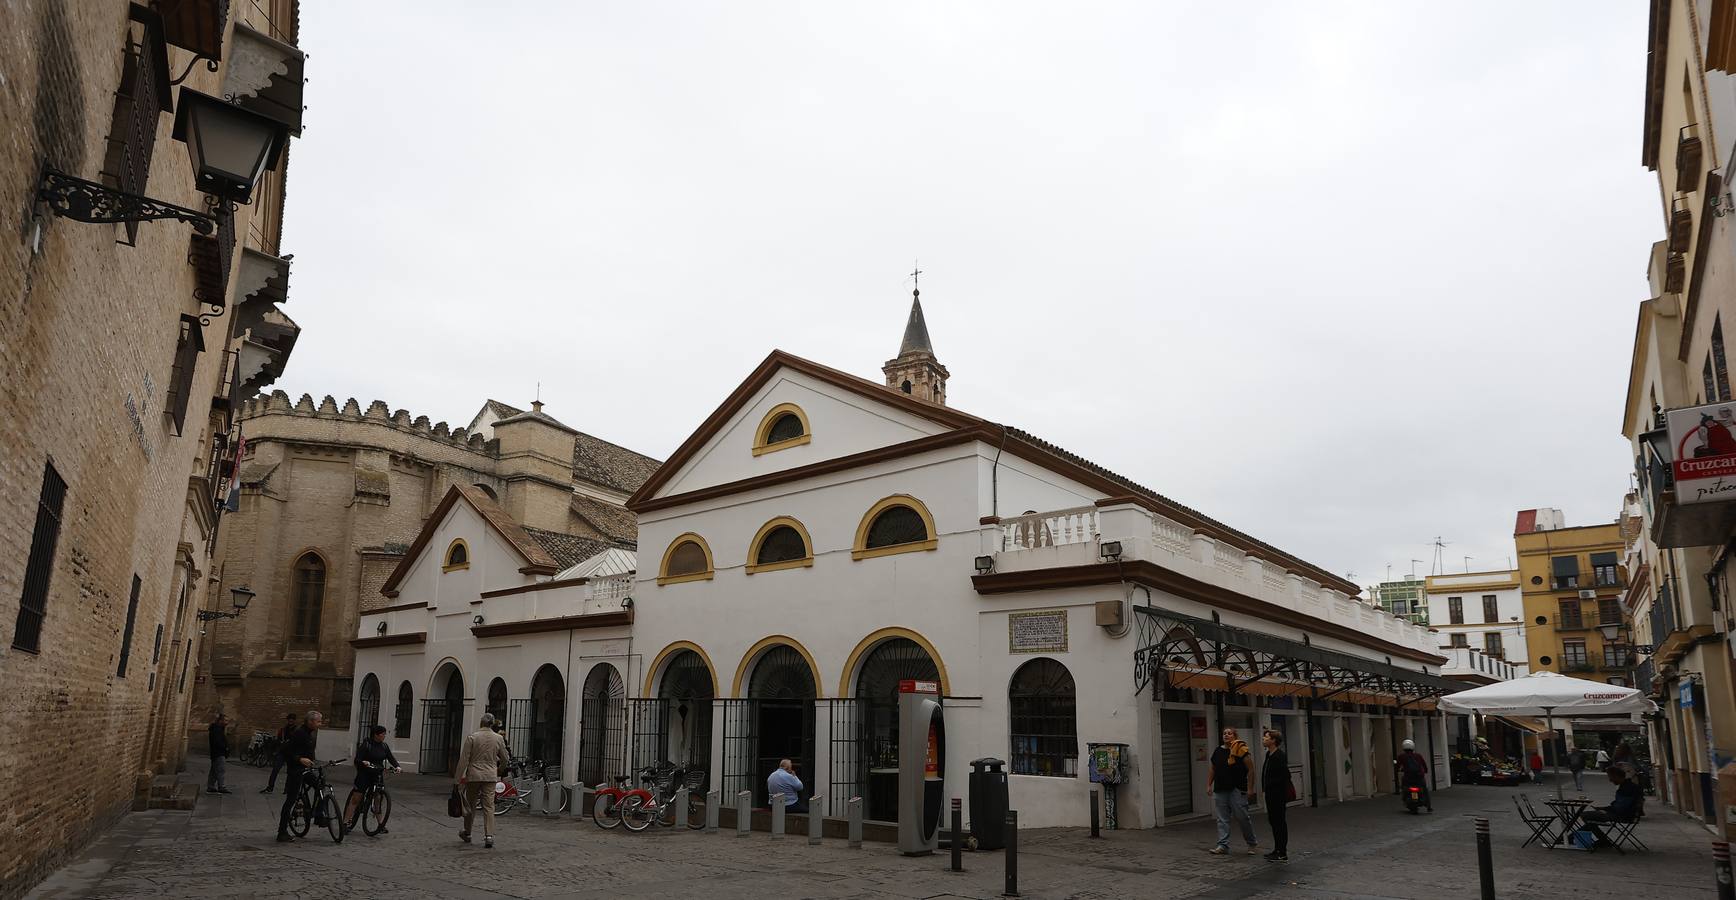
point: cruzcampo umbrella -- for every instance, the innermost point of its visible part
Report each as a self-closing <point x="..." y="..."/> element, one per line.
<point x="1547" y="694"/>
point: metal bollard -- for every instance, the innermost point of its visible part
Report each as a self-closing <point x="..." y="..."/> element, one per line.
<point x="743" y="813"/>
<point x="1485" y="861"/>
<point x="1721" y="866"/>
<point x="1095" y="832"/>
<point x="853" y="810"/>
<point x="957" y="835"/>
<point x="815" y="820"/>
<point x="1012" y="854"/>
<point x="713" y="808"/>
<point x="779" y="809"/>
<point x="679" y="817"/>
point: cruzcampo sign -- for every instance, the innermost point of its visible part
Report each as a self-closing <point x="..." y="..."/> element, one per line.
<point x="1703" y="442"/>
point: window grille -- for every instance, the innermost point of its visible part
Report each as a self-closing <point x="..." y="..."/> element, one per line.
<point x="896" y="525"/>
<point x="1044" y="728"/>
<point x="39" y="568"/>
<point x="127" y="634"/>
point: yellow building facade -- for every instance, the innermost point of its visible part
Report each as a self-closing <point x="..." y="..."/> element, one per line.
<point x="1572" y="581"/>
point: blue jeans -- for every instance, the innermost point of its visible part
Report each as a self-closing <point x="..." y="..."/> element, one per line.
<point x="1233" y="804"/>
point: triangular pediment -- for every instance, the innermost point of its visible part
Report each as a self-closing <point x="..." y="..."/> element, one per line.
<point x="845" y="416"/>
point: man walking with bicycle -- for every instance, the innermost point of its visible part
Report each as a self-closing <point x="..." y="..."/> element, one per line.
<point x="298" y="756"/>
<point x="480" y="763"/>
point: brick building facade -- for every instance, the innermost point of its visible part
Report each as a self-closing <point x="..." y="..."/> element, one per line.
<point x="330" y="497"/>
<point x="122" y="350"/>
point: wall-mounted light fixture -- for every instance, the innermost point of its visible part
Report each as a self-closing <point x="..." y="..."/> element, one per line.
<point x="985" y="565"/>
<point x="239" y="596"/>
<point x="1109" y="550"/>
<point x="476" y="619"/>
<point x="380" y="628"/>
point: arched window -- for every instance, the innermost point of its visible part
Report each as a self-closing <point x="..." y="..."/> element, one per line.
<point x="1043" y="724"/>
<point x="310" y="579"/>
<point x="457" y="556"/>
<point x="497" y="699"/>
<point x="548" y="711"/>
<point x="687" y="559"/>
<point x="401" y="716"/>
<point x="781" y="543"/>
<point x="783" y="427"/>
<point x="897" y="524"/>
<point x="487" y="490"/>
<point x="370" y="711"/>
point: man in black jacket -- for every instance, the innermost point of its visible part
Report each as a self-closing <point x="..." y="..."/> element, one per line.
<point x="298" y="757"/>
<point x="218" y="736"/>
<point x="1275" y="781"/>
<point x="1629" y="801"/>
<point x="277" y="764"/>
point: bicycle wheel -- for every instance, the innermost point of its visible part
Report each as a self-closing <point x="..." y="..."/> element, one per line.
<point x="333" y="817"/>
<point x="376" y="809"/>
<point x="695" y="811"/>
<point x="604" y="813"/>
<point x="301" y="816"/>
<point x="565" y="801"/>
<point x="636" y="814"/>
<point x="505" y="800"/>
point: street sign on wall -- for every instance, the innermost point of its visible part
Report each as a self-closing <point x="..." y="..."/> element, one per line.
<point x="1703" y="445"/>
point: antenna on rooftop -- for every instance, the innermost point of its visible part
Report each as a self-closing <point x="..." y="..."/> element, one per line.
<point x="1438" y="567"/>
<point x="1414" y="564"/>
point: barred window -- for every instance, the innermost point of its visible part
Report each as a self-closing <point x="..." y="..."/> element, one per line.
<point x="127" y="634"/>
<point x="786" y="427"/>
<point x="688" y="558"/>
<point x="897" y="525"/>
<point x="140" y="99"/>
<point x="781" y="544"/>
<point x="1043" y="724"/>
<point x="38" y="569"/>
<point x="401" y="715"/>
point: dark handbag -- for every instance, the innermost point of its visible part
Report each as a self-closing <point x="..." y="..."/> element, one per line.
<point x="1289" y="791"/>
<point x="455" y="804"/>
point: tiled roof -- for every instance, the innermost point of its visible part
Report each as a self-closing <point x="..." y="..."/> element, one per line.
<point x="613" y="521"/>
<point x="532" y="550"/>
<point x="610" y="465"/>
<point x="537" y="416"/>
<point x="568" y="550"/>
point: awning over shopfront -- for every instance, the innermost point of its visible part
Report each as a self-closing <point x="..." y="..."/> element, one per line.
<point x="1177" y="650"/>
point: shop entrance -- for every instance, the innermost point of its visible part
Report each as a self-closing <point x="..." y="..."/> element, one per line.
<point x="782" y="687"/>
<point x="877" y="681"/>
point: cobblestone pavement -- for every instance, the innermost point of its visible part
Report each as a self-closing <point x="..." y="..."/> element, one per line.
<point x="1356" y="850"/>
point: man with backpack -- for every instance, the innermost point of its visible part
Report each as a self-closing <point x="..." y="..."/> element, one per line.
<point x="1413" y="771"/>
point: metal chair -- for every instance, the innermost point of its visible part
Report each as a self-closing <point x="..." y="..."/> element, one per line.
<point x="1542" y="827"/>
<point x="1623" y="832"/>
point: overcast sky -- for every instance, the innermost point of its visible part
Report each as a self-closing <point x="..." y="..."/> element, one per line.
<point x="1344" y="276"/>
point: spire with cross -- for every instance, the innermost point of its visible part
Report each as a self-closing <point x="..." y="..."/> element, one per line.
<point x="916" y="371"/>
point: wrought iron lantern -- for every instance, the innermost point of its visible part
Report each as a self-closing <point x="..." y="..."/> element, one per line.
<point x="230" y="146"/>
<point x="239" y="597"/>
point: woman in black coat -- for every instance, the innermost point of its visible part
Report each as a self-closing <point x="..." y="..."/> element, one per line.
<point x="1275" y="782"/>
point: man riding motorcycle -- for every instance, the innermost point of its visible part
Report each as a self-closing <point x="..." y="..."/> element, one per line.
<point x="1413" y="772"/>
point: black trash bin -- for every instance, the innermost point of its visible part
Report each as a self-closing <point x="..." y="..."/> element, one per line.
<point x="988" y="803"/>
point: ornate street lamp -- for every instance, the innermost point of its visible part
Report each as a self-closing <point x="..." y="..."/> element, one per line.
<point x="230" y="146"/>
<point x="240" y="596"/>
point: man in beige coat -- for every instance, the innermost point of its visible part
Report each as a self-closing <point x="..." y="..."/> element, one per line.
<point x="480" y="763"/>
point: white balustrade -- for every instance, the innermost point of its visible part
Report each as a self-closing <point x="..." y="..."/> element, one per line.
<point x="1171" y="536"/>
<point x="1049" y="529"/>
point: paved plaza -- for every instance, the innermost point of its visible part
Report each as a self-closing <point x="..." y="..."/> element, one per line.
<point x="224" y="848"/>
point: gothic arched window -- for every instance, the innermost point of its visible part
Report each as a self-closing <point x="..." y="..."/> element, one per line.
<point x="310" y="579"/>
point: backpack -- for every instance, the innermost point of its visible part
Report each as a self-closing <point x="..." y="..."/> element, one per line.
<point x="1412" y="763"/>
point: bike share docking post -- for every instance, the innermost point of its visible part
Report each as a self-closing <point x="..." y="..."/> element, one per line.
<point x="582" y="800"/>
<point x="533" y="797"/>
<point x="1012" y="854"/>
<point x="815" y="820"/>
<point x="957" y="835"/>
<point x="853" y="810"/>
<point x="743" y="813"/>
<point x="680" y="803"/>
<point x="778" y="812"/>
<point x="713" y="807"/>
<point x="1721" y="866"/>
<point x="1485" y="860"/>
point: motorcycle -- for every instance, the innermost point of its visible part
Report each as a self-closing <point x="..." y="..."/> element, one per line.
<point x="1413" y="799"/>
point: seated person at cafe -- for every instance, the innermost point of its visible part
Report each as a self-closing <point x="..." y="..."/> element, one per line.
<point x="1624" y="808"/>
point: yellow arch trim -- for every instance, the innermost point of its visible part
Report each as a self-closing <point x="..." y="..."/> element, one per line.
<point x="663" y="576"/>
<point x="663" y="657"/>
<point x="761" y="447"/>
<point x="868" y="643"/>
<point x="754" y="547"/>
<point x="446" y="563"/>
<point x="859" y="550"/>
<point x="766" y="643"/>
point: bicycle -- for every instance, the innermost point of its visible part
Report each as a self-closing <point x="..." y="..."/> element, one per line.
<point x="641" y="809"/>
<point x="375" y="805"/>
<point x="316" y="804"/>
<point x="513" y="790"/>
<point x="261" y="751"/>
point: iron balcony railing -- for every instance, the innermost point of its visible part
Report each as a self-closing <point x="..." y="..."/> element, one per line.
<point x="1663" y="614"/>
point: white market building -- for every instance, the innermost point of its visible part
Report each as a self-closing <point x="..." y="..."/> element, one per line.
<point x="820" y="537"/>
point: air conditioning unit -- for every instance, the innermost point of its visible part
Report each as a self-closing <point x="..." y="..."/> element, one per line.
<point x="1588" y="595"/>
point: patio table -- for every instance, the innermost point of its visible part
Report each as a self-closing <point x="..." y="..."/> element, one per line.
<point x="1568" y="809"/>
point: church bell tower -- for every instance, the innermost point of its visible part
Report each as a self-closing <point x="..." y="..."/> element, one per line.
<point x="916" y="371"/>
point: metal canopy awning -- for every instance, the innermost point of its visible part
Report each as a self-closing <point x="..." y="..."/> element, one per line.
<point x="1187" y="651"/>
<point x="265" y="76"/>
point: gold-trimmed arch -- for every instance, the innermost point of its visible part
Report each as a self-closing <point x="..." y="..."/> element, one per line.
<point x="762" y="446"/>
<point x="753" y="547"/>
<point x="878" y="637"/>
<point x="446" y="563"/>
<point x="766" y="643"/>
<point x="860" y="549"/>
<point x="663" y="656"/>
<point x="663" y="576"/>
